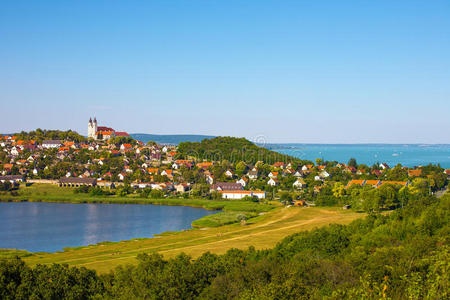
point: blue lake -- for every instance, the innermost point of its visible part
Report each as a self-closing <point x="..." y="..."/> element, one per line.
<point x="409" y="155"/>
<point x="36" y="226"/>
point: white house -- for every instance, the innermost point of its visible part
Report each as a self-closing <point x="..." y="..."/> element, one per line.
<point x="242" y="194"/>
<point x="298" y="174"/>
<point x="228" y="173"/>
<point x="273" y="174"/>
<point x="210" y="179"/>
<point x="242" y="181"/>
<point x="299" y="183"/>
<point x="15" y="151"/>
<point x="253" y="174"/>
<point x="272" y="182"/>
<point x="121" y="176"/>
<point x="48" y="144"/>
<point x="324" y="174"/>
<point x="384" y="166"/>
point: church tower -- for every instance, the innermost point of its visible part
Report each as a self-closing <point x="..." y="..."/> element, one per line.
<point x="92" y="128"/>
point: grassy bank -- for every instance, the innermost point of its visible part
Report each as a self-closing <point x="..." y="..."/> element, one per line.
<point x="266" y="225"/>
<point x="262" y="232"/>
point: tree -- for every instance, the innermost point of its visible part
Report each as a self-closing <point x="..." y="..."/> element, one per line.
<point x="352" y="162"/>
<point x="240" y="168"/>
<point x="338" y="190"/>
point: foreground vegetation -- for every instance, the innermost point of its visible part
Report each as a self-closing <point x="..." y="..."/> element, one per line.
<point x="404" y="254"/>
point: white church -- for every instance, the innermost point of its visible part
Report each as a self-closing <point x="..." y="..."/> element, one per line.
<point x="102" y="132"/>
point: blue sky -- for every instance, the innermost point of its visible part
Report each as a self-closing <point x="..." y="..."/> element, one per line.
<point x="291" y="71"/>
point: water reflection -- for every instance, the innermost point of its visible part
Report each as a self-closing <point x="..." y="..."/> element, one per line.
<point x="52" y="226"/>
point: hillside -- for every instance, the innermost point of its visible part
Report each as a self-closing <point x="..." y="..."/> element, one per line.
<point x="232" y="149"/>
<point x="174" y="139"/>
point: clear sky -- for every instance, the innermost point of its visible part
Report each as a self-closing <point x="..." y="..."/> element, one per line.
<point x="290" y="71"/>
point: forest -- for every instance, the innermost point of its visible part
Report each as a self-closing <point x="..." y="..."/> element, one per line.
<point x="233" y="150"/>
<point x="392" y="255"/>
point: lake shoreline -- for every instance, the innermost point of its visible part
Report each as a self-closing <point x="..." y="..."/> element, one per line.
<point x="225" y="208"/>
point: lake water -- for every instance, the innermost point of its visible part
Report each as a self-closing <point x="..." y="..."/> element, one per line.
<point x="36" y="226"/>
<point x="406" y="154"/>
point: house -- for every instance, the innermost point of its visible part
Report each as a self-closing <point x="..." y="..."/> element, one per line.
<point x="7" y="167"/>
<point x="273" y="174"/>
<point x="229" y="173"/>
<point x="182" y="187"/>
<point x="414" y="172"/>
<point x="279" y="164"/>
<point x="350" y="169"/>
<point x="126" y="147"/>
<point x="48" y="144"/>
<point x="384" y="166"/>
<point x="204" y="165"/>
<point x="242" y="194"/>
<point x="373" y="183"/>
<point x="243" y="181"/>
<point x="253" y="174"/>
<point x="355" y="182"/>
<point x="273" y="181"/>
<point x="298" y="174"/>
<point x="324" y="174"/>
<point x="299" y="183"/>
<point x="76" y="181"/>
<point x="166" y="172"/>
<point x="377" y="172"/>
<point x="210" y="179"/>
<point x="11" y="178"/>
<point x="154" y="171"/>
<point x="227" y="186"/>
<point x="447" y="171"/>
<point x="15" y="151"/>
<point x="122" y="133"/>
<point x="121" y="176"/>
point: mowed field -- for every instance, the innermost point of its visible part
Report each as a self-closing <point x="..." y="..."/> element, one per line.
<point x="261" y="232"/>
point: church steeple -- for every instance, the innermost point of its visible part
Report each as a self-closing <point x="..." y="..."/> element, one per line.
<point x="92" y="128"/>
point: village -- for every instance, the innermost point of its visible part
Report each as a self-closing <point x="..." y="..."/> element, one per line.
<point x="109" y="159"/>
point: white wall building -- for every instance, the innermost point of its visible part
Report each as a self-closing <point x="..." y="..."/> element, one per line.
<point x="242" y="194"/>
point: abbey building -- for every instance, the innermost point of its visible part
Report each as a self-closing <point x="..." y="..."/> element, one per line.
<point x="102" y="132"/>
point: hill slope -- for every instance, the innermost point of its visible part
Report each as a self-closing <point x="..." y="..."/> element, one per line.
<point x="232" y="149"/>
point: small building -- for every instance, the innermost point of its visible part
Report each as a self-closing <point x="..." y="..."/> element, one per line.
<point x="242" y="194"/>
<point x="76" y="181"/>
<point x="49" y="144"/>
<point x="227" y="186"/>
<point x="299" y="183"/>
<point x="273" y="181"/>
<point x="11" y="178"/>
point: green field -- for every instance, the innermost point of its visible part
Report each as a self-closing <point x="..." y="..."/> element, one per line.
<point x="269" y="225"/>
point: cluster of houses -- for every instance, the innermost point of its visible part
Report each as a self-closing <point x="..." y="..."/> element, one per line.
<point x="159" y="168"/>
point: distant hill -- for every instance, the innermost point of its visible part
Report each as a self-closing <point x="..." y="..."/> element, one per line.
<point x="170" y="138"/>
